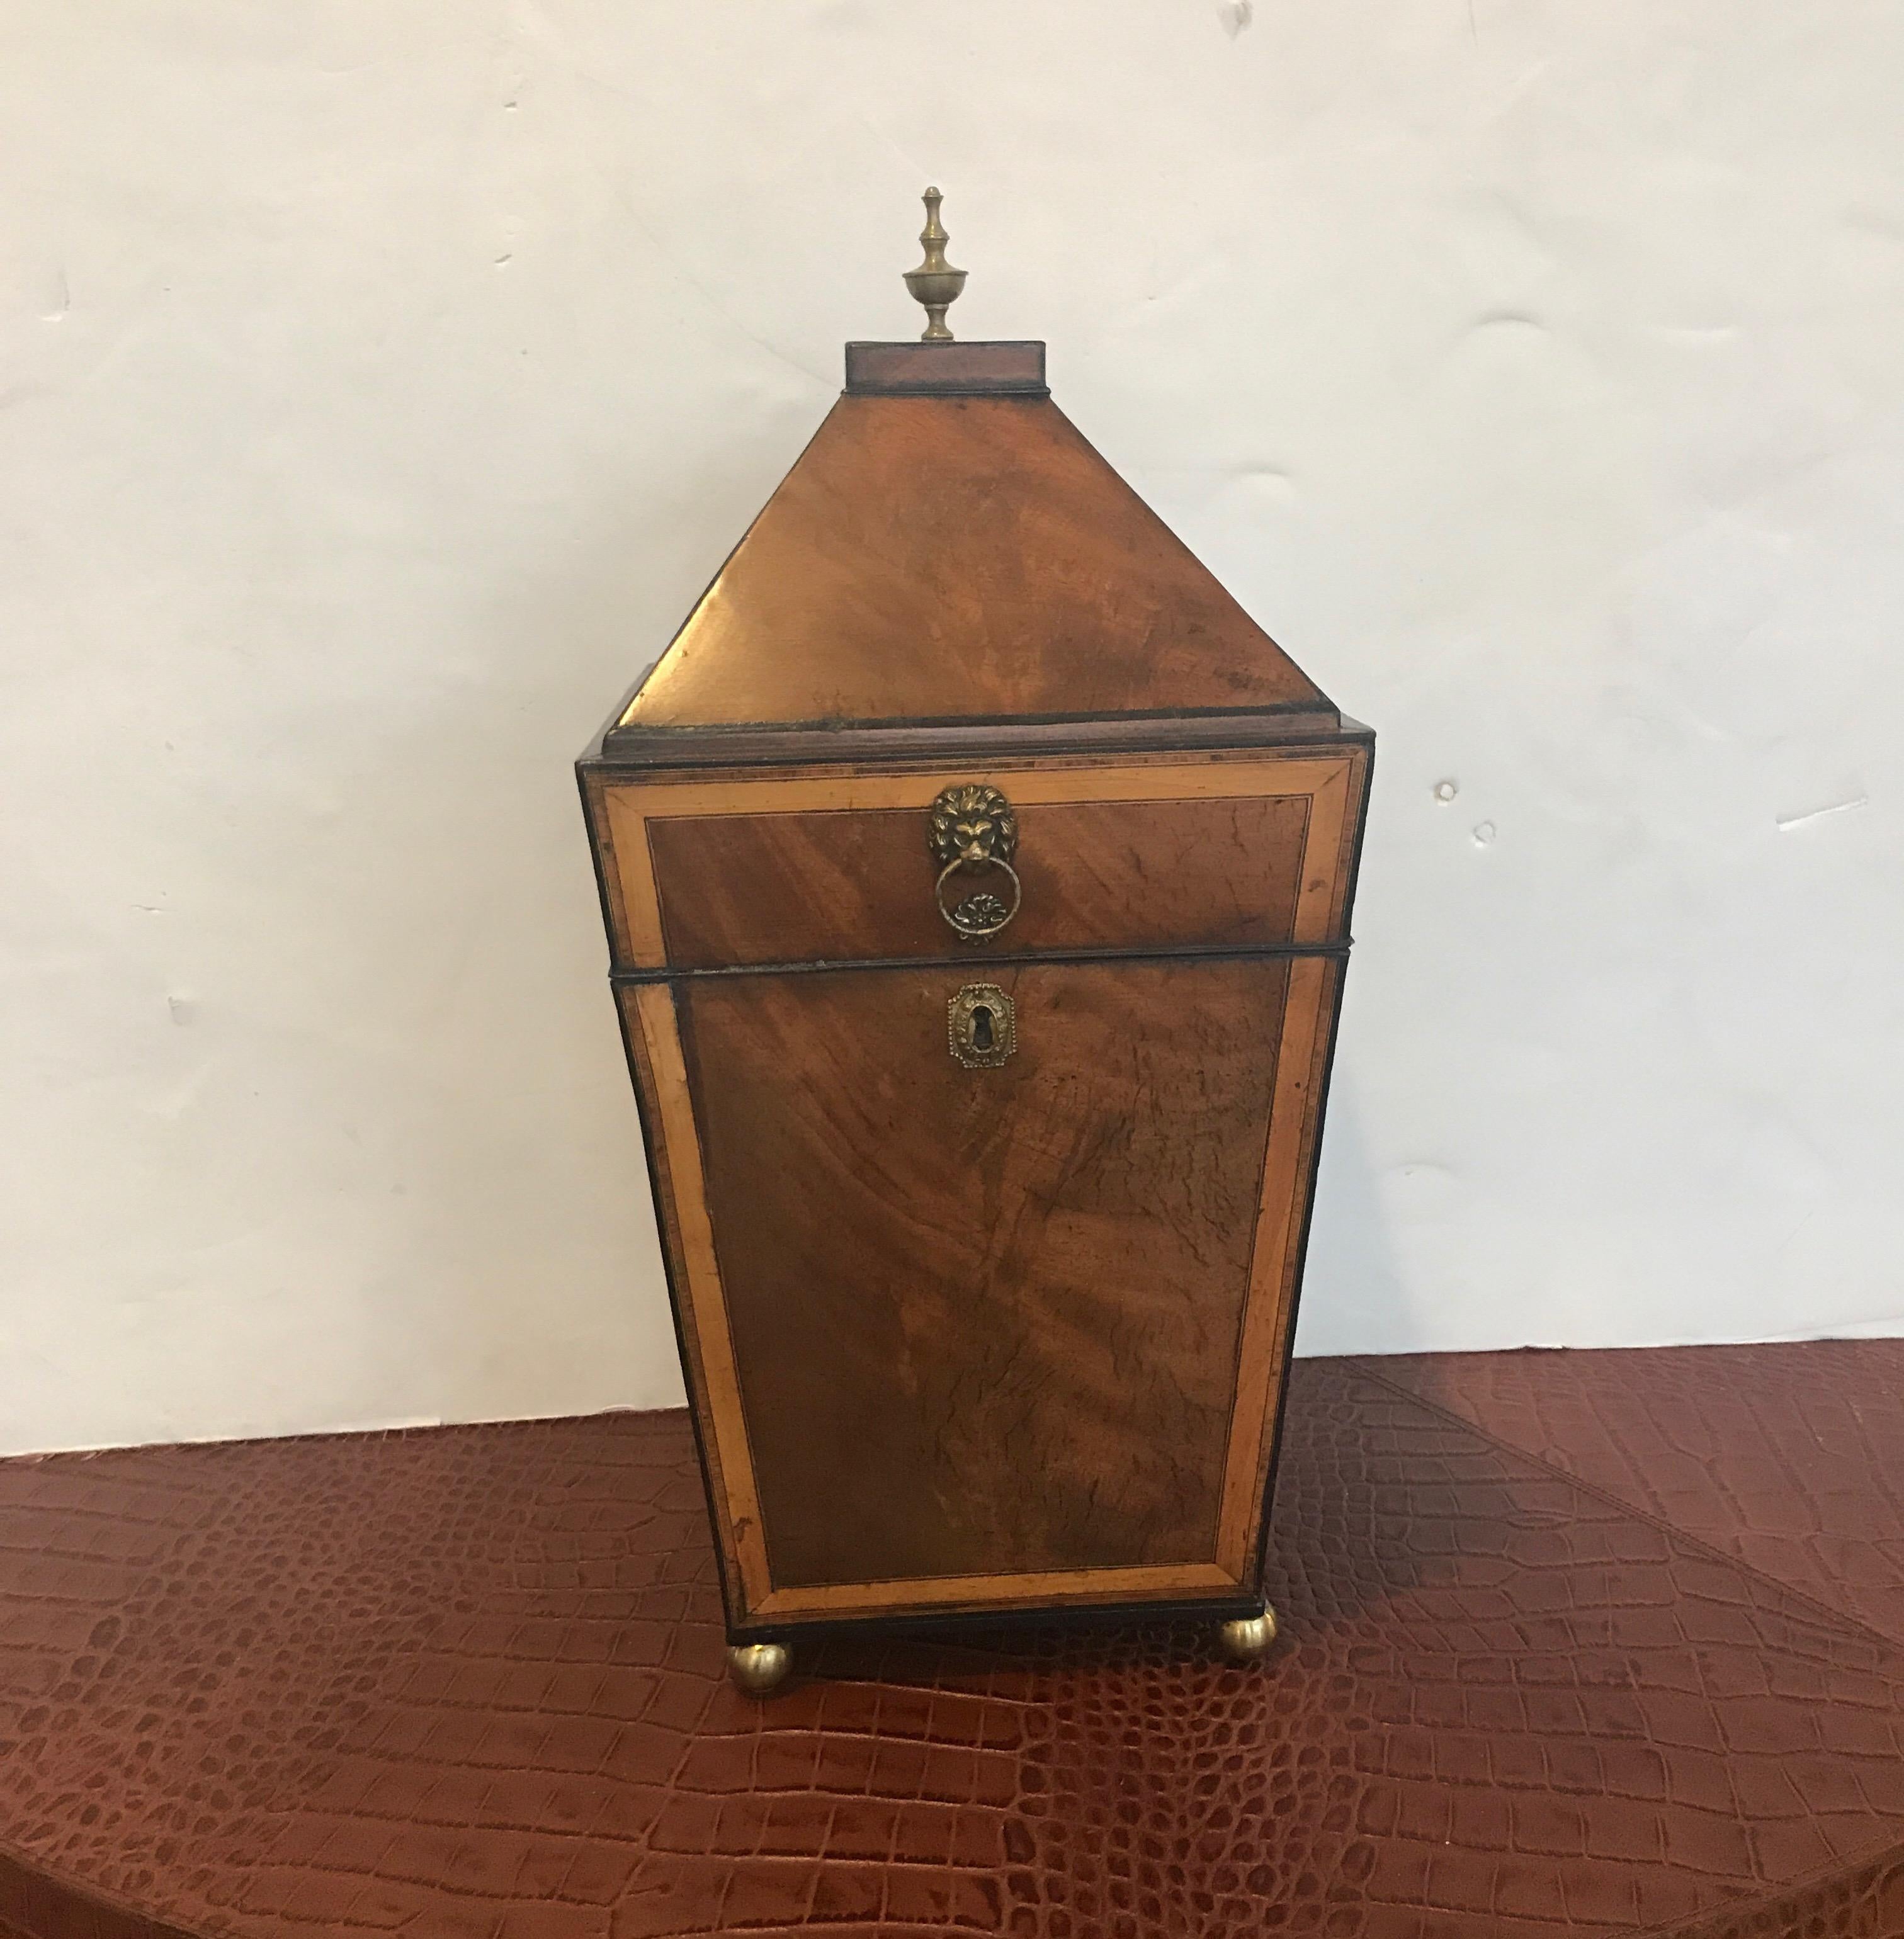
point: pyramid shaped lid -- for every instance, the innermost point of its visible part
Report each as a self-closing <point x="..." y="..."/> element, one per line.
<point x="949" y="552"/>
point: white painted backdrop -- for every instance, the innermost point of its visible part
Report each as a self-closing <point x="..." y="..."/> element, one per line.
<point x="381" y="383"/>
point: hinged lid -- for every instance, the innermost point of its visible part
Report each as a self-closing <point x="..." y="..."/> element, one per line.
<point x="950" y="565"/>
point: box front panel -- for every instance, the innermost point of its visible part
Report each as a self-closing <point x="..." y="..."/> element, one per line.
<point x="947" y="1356"/>
<point x="986" y="1320"/>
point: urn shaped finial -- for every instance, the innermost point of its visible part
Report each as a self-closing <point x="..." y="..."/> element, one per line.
<point x="935" y="283"/>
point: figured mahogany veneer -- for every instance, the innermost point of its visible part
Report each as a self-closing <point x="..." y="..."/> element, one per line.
<point x="1242" y="851"/>
<point x="469" y="1682"/>
<point x="881" y="1259"/>
<point x="835" y="884"/>
<point x="1041" y="1380"/>
<point x="934" y="558"/>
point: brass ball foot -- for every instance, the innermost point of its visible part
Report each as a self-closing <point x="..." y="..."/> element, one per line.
<point x="759" y="1667"/>
<point x="1249" y="1637"/>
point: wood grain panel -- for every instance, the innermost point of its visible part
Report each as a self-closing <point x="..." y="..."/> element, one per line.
<point x="985" y="1322"/>
<point x="847" y="883"/>
<point x="642" y="845"/>
<point x="961" y="558"/>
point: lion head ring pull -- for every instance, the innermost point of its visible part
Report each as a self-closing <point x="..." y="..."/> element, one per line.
<point x="973" y="833"/>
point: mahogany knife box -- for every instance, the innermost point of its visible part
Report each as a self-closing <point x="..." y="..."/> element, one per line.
<point x="984" y="1301"/>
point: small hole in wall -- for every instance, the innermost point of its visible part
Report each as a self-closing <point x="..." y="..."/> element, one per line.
<point x="1483" y="833"/>
<point x="1446" y="791"/>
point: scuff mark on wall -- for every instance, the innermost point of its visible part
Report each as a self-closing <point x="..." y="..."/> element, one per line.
<point x="1787" y="823"/>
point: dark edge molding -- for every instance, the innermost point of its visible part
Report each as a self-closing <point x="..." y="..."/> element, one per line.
<point x="1149" y="952"/>
<point x="822" y="743"/>
<point x="585" y="773"/>
<point x="947" y="390"/>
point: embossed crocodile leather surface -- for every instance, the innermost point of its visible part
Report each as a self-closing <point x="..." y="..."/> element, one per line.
<point x="468" y="1682"/>
<point x="1790" y="1458"/>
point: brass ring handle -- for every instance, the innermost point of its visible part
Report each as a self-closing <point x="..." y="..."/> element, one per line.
<point x="983" y="914"/>
<point x="973" y="826"/>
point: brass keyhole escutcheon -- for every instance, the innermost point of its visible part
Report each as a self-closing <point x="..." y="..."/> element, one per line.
<point x="972" y="831"/>
<point x="981" y="1026"/>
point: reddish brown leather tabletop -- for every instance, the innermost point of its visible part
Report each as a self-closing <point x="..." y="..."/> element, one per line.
<point x="1580" y="1643"/>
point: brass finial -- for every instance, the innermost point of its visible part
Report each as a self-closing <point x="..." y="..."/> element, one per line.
<point x="935" y="283"/>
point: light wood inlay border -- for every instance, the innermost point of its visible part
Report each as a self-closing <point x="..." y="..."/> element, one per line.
<point x="653" y="1008"/>
<point x="926" y="1593"/>
<point x="634" y="906"/>
<point x="1300" y="1060"/>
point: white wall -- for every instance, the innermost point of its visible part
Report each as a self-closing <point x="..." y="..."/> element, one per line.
<point x="381" y="382"/>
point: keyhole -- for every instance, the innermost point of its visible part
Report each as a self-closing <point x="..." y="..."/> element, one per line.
<point x="981" y="1028"/>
